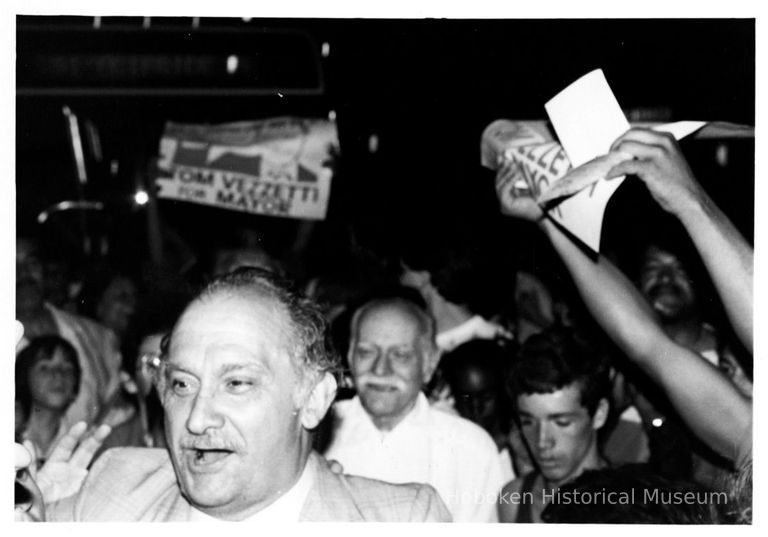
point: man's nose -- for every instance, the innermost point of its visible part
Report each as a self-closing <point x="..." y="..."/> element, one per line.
<point x="382" y="366"/>
<point x="545" y="438"/>
<point x="203" y="415"/>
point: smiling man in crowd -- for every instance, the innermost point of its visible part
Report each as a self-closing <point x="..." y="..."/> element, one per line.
<point x="560" y="389"/>
<point x="673" y="291"/>
<point x="245" y="378"/>
<point x="390" y="432"/>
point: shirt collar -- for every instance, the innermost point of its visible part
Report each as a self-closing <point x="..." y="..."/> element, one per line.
<point x="417" y="417"/>
<point x="286" y="508"/>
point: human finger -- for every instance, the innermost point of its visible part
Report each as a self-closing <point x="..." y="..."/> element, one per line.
<point x="67" y="444"/>
<point x="22" y="457"/>
<point x="88" y="447"/>
<point x="644" y="136"/>
<point x="641" y="150"/>
<point x="628" y="167"/>
<point x="31" y="448"/>
<point x="19" y="331"/>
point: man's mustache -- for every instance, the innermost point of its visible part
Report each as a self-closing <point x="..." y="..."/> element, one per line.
<point x="209" y="443"/>
<point x="379" y="382"/>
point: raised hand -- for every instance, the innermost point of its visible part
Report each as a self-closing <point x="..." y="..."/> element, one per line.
<point x="659" y="163"/>
<point x="515" y="195"/>
<point x="63" y="473"/>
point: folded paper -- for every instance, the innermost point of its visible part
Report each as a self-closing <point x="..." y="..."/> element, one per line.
<point x="567" y="177"/>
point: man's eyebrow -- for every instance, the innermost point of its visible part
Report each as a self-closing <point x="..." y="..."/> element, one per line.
<point x="557" y="415"/>
<point x="171" y="367"/>
<point x="250" y="366"/>
<point x="553" y="416"/>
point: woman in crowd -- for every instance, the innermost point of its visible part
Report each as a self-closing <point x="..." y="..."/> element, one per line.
<point x="47" y="381"/>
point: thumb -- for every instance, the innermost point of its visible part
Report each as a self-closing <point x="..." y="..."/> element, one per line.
<point x="23" y="456"/>
<point x="628" y="167"/>
<point x="30" y="447"/>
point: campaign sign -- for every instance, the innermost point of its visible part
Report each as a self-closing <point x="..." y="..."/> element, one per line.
<point x="274" y="167"/>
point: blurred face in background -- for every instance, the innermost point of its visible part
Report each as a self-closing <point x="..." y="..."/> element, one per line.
<point x="53" y="382"/>
<point x="476" y="393"/>
<point x="666" y="284"/>
<point x="117" y="304"/>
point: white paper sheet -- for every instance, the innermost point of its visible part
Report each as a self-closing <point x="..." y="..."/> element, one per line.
<point x="587" y="119"/>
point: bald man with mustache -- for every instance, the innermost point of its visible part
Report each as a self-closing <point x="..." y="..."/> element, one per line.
<point x="390" y="432"/>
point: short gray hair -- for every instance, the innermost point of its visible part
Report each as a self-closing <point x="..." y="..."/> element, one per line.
<point x="312" y="349"/>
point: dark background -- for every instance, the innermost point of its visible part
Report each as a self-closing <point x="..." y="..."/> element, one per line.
<point x="425" y="88"/>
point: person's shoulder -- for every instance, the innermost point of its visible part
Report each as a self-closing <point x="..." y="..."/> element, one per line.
<point x="139" y="460"/>
<point x="458" y="430"/>
<point x="120" y="485"/>
<point x="125" y="470"/>
<point x="406" y="502"/>
<point x="511" y="497"/>
<point x="515" y="485"/>
<point x="342" y="497"/>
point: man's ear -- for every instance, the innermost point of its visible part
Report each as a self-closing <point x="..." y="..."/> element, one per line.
<point x="601" y="414"/>
<point x="318" y="401"/>
<point x="431" y="359"/>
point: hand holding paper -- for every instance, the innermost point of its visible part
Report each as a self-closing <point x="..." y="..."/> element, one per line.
<point x="567" y="178"/>
<point x="516" y="200"/>
<point x="658" y="162"/>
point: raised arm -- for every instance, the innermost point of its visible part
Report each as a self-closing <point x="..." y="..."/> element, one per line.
<point x="659" y="163"/>
<point x="706" y="400"/>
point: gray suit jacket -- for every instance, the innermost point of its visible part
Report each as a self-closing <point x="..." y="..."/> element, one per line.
<point x="139" y="484"/>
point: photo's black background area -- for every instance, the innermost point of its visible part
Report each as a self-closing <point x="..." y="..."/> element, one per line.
<point x="425" y="89"/>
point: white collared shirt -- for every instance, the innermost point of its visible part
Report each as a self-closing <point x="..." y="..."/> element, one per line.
<point x="458" y="458"/>
<point x="286" y="508"/>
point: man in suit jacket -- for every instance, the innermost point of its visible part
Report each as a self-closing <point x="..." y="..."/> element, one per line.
<point x="135" y="484"/>
<point x="245" y="378"/>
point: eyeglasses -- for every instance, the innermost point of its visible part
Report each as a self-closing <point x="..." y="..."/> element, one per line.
<point x="151" y="360"/>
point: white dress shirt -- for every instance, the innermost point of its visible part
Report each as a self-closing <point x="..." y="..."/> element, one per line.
<point x="286" y="508"/>
<point x="458" y="458"/>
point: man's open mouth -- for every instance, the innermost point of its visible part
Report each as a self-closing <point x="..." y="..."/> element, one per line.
<point x="207" y="457"/>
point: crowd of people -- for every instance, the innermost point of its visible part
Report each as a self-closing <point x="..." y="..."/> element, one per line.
<point x="262" y="398"/>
